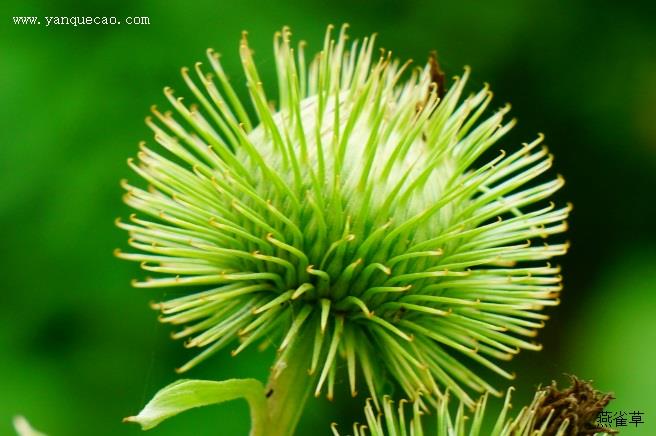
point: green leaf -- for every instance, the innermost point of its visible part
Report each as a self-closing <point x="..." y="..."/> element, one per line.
<point x="183" y="395"/>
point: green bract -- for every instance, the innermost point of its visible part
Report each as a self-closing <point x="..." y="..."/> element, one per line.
<point x="359" y="210"/>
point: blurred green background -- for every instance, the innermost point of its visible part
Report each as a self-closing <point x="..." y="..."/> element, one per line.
<point x="80" y="349"/>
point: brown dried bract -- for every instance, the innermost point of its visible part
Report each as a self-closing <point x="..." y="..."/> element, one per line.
<point x="437" y="81"/>
<point x="437" y="75"/>
<point x="580" y="403"/>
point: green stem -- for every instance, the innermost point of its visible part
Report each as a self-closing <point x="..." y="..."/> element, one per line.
<point x="289" y="391"/>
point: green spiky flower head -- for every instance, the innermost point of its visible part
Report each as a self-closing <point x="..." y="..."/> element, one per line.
<point x="356" y="211"/>
<point x="553" y="412"/>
